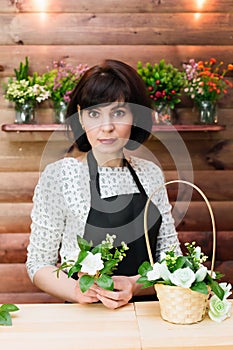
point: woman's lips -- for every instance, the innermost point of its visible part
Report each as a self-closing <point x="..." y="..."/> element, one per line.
<point x="107" y="141"/>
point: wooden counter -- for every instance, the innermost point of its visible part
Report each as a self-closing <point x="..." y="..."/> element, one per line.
<point x="135" y="326"/>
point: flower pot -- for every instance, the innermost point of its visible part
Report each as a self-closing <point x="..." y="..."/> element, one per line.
<point x="207" y="112"/>
<point x="25" y="113"/>
<point x="163" y="114"/>
<point x="60" y="112"/>
<point x="181" y="305"/>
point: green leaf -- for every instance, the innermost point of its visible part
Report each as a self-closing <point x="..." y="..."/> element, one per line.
<point x="82" y="255"/>
<point x="83" y="244"/>
<point x="180" y="261"/>
<point x="74" y="269"/>
<point x="97" y="249"/>
<point x="9" y="307"/>
<point x="200" y="287"/>
<point x="85" y="282"/>
<point x="215" y="287"/>
<point x="5" y="318"/>
<point x="105" y="282"/>
<point x="144" y="281"/>
<point x="144" y="268"/>
<point x="108" y="265"/>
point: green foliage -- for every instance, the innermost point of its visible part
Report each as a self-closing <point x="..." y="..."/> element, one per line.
<point x="164" y="82"/>
<point x="108" y="258"/>
<point x="5" y="317"/>
<point x="185" y="271"/>
<point x="23" y="72"/>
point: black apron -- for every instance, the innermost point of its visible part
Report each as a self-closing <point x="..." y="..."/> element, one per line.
<point x="122" y="216"/>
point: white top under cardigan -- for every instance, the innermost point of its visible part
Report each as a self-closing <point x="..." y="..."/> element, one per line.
<point x="62" y="203"/>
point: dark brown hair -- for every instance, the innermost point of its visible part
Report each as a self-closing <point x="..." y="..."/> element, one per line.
<point x="106" y="83"/>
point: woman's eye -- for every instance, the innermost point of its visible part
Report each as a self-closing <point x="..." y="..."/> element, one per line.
<point x="119" y="113"/>
<point x="93" y="114"/>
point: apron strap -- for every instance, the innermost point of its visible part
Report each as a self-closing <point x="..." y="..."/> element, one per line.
<point x="94" y="174"/>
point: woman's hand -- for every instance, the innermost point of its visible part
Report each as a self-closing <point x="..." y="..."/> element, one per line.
<point x="90" y="296"/>
<point x="123" y="292"/>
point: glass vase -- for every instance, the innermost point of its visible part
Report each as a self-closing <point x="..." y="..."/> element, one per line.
<point x="25" y="113"/>
<point x="207" y="112"/>
<point x="60" y="112"/>
<point x="163" y="114"/>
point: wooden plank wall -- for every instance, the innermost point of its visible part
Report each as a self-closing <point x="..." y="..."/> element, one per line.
<point x="88" y="31"/>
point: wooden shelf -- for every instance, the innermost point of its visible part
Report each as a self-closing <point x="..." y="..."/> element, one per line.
<point x="35" y="132"/>
<point x="33" y="127"/>
<point x="187" y="127"/>
<point x="62" y="127"/>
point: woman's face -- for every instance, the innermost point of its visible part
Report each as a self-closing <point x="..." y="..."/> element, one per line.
<point x="108" y="127"/>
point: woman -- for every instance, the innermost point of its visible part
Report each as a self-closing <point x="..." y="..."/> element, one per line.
<point x="101" y="191"/>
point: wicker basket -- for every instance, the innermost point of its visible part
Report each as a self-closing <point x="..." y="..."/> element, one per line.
<point x="177" y="304"/>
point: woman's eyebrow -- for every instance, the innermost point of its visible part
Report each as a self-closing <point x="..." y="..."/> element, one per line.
<point x="120" y="104"/>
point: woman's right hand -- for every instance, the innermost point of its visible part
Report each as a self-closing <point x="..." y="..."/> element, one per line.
<point x="85" y="298"/>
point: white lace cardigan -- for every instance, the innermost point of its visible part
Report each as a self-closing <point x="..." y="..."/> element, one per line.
<point x="62" y="203"/>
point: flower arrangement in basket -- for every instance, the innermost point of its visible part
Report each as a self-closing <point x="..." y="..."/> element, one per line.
<point x="183" y="284"/>
<point x="96" y="264"/>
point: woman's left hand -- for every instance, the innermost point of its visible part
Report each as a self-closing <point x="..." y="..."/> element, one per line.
<point x="123" y="292"/>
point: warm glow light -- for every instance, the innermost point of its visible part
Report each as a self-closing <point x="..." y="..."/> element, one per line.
<point x="197" y="16"/>
<point x="40" y="5"/>
<point x="200" y="4"/>
<point x="42" y="16"/>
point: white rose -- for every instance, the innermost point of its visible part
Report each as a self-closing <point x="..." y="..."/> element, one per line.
<point x="155" y="273"/>
<point x="92" y="264"/>
<point x="219" y="310"/>
<point x="183" y="277"/>
<point x="201" y="273"/>
<point x="164" y="272"/>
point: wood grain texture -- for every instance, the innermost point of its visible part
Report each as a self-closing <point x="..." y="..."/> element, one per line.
<point x="115" y="6"/>
<point x="217" y="185"/>
<point x="15" y="217"/>
<point x="13" y="247"/>
<point x="111" y="29"/>
<point x="28" y="298"/>
<point x="41" y="56"/>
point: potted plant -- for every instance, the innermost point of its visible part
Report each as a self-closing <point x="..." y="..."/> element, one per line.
<point x="25" y="91"/>
<point x="164" y="83"/>
<point x="205" y="83"/>
<point x="60" y="81"/>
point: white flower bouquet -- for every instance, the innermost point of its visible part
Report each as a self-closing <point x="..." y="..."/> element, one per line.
<point x="188" y="272"/>
<point x="24" y="88"/>
<point x="183" y="283"/>
<point x="96" y="263"/>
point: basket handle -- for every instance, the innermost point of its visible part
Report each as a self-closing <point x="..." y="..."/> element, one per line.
<point x="210" y="211"/>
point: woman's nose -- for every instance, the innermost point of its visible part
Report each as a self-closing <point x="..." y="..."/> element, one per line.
<point x="107" y="124"/>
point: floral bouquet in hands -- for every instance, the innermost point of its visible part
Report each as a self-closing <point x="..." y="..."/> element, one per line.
<point x="189" y="272"/>
<point x="96" y="263"/>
